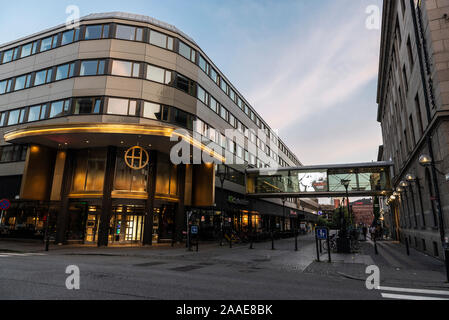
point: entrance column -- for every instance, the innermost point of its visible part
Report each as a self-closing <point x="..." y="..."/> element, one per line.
<point x="180" y="211"/>
<point x="106" y="208"/>
<point x="149" y="207"/>
<point x="61" y="224"/>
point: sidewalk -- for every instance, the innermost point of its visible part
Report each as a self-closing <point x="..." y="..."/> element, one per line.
<point x="396" y="268"/>
<point x="283" y="257"/>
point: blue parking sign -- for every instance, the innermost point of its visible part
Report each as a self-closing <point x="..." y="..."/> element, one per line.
<point x="321" y="233"/>
<point x="194" y="229"/>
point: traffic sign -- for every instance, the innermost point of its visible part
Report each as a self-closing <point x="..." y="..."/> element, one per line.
<point x="5" y="204"/>
<point x="321" y="233"/>
<point x="194" y="229"/>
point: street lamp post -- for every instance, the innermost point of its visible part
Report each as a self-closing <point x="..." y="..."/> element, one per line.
<point x="427" y="161"/>
<point x="343" y="242"/>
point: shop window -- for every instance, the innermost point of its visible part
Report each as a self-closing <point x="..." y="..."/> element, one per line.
<point x="127" y="179"/>
<point x="89" y="170"/>
<point x="166" y="179"/>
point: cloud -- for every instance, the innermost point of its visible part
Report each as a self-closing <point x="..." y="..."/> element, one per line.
<point x="306" y="72"/>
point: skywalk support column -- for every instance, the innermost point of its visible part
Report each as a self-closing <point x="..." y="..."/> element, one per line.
<point x="106" y="209"/>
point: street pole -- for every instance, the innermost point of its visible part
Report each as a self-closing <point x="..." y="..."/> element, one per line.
<point x="222" y="179"/>
<point x="317" y="249"/>
<point x="47" y="233"/>
<point x="407" y="247"/>
<point x="296" y="234"/>
<point x="328" y="246"/>
<point x="272" y="236"/>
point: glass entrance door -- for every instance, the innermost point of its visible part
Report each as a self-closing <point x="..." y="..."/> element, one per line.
<point x="126" y="224"/>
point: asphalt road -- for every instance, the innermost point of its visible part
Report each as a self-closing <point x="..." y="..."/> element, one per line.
<point x="214" y="273"/>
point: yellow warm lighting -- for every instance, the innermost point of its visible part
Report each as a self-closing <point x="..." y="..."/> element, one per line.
<point x="167" y="198"/>
<point x="34" y="149"/>
<point x="112" y="128"/>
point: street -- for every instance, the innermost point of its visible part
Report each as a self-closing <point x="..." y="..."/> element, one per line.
<point x="213" y="273"/>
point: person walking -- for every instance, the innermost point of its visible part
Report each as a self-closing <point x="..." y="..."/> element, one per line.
<point x="365" y="231"/>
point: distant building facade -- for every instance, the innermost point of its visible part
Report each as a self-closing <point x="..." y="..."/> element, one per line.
<point x="363" y="212"/>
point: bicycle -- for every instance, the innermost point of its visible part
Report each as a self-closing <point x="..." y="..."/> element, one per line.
<point x="332" y="243"/>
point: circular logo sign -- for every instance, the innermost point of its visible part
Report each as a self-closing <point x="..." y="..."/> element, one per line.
<point x="137" y="158"/>
<point x="5" y="204"/>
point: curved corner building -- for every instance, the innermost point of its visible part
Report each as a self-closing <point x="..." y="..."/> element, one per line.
<point x="87" y="117"/>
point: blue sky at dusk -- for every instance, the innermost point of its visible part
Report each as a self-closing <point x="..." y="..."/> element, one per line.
<point x="308" y="67"/>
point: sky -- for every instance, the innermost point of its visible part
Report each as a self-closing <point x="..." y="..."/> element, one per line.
<point x="308" y="67"/>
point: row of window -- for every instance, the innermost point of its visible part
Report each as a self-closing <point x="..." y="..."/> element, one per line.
<point x="131" y="33"/>
<point x="13" y="153"/>
<point x="129" y="107"/>
<point x="133" y="69"/>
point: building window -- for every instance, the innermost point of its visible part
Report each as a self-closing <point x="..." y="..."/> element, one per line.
<point x="49" y="43"/>
<point x="59" y="108"/>
<point x="125" y="69"/>
<point x="122" y="107"/>
<point x="87" y="105"/>
<point x="152" y="111"/>
<point x="214" y="105"/>
<point x="410" y="53"/>
<point x="70" y="36"/>
<point x="22" y="82"/>
<point x="92" y="68"/>
<point x="404" y="73"/>
<point x="37" y="113"/>
<point x="204" y="65"/>
<point x="187" y="52"/>
<point x="202" y="95"/>
<point x="224" y="86"/>
<point x="96" y="32"/>
<point x="158" y="74"/>
<point x="224" y="113"/>
<point x="65" y="71"/>
<point x="13" y="153"/>
<point x="185" y="84"/>
<point x="43" y="77"/>
<point x="161" y="40"/>
<point x="129" y="33"/>
<point x="214" y="76"/>
<point x="7" y="56"/>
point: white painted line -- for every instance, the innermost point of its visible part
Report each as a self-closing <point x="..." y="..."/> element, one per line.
<point x="423" y="291"/>
<point x="406" y="297"/>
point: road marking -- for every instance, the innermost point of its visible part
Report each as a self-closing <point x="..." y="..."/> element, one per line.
<point x="8" y="255"/>
<point x="423" y="291"/>
<point x="408" y="297"/>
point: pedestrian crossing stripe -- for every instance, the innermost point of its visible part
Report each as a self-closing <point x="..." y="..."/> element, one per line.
<point x="408" y="296"/>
